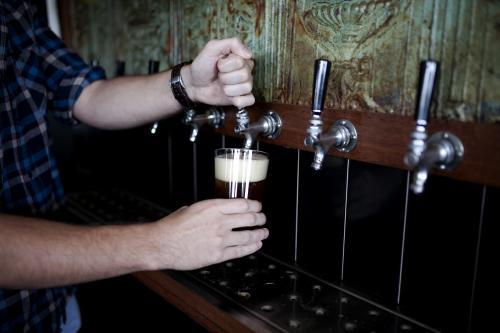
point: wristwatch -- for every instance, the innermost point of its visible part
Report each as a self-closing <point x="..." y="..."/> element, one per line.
<point x="178" y="88"/>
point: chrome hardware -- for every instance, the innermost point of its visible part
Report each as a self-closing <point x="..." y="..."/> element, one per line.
<point x="442" y="150"/>
<point x="268" y="125"/>
<point x="242" y="121"/>
<point x="213" y="116"/>
<point x="342" y="135"/>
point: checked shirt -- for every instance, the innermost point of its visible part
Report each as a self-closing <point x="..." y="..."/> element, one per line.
<point x="38" y="73"/>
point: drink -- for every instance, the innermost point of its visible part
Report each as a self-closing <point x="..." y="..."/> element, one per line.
<point x="240" y="173"/>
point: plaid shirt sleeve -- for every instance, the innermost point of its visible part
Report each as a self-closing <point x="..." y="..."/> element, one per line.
<point x="65" y="72"/>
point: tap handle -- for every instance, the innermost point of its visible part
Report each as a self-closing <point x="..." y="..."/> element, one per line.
<point x="428" y="74"/>
<point x="321" y="71"/>
<point x="153" y="66"/>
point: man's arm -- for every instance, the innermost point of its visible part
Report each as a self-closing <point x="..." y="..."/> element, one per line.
<point x="219" y="75"/>
<point x="37" y="253"/>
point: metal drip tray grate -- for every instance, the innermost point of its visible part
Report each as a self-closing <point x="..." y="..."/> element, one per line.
<point x="291" y="300"/>
<point x="284" y="297"/>
<point x="113" y="206"/>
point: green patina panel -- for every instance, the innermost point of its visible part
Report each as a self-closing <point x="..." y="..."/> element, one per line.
<point x="375" y="46"/>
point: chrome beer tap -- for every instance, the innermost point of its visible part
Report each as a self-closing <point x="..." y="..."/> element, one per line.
<point x="442" y="150"/>
<point x="268" y="125"/>
<point x="342" y="135"/>
<point x="213" y="116"/>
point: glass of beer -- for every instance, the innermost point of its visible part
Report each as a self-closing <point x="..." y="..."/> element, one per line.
<point x="240" y="173"/>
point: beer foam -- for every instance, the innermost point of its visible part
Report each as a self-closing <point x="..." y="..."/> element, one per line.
<point x="229" y="168"/>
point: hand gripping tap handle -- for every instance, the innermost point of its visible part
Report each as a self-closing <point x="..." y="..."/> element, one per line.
<point x="428" y="75"/>
<point x="321" y="71"/>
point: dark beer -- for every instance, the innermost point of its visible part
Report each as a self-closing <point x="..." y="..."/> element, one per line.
<point x="251" y="190"/>
<point x="240" y="173"/>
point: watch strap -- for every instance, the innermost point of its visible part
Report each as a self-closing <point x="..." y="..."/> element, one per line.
<point x="178" y="88"/>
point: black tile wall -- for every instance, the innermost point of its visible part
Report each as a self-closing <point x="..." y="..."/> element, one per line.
<point x="206" y="144"/>
<point x="440" y="273"/>
<point x="375" y="217"/>
<point x="233" y="142"/>
<point x="484" y="311"/>
<point x="321" y="216"/>
<point x="182" y="155"/>
<point x="148" y="168"/>
<point x="279" y="202"/>
<point x="439" y="255"/>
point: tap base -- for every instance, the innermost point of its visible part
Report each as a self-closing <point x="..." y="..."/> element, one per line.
<point x="349" y="135"/>
<point x="455" y="153"/>
<point x="275" y="124"/>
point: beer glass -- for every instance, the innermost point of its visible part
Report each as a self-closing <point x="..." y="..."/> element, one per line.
<point x="240" y="173"/>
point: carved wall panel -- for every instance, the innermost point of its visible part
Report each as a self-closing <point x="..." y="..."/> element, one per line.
<point x="375" y="46"/>
<point x="129" y="30"/>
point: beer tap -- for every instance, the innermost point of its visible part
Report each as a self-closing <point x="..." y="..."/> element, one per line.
<point x="213" y="116"/>
<point x="153" y="67"/>
<point x="268" y="125"/>
<point x="442" y="150"/>
<point x="342" y="135"/>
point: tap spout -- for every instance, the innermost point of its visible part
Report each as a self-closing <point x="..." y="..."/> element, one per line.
<point x="213" y="117"/>
<point x="431" y="156"/>
<point x="268" y="125"/>
<point x="319" y="156"/>
<point x="194" y="133"/>
<point x="254" y="129"/>
<point x="249" y="139"/>
<point x="443" y="151"/>
<point x="342" y="135"/>
<point x="419" y="178"/>
<point x="322" y="145"/>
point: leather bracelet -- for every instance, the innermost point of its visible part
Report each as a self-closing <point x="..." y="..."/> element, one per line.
<point x="178" y="88"/>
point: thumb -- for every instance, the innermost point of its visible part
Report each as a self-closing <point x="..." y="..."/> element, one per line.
<point x="217" y="48"/>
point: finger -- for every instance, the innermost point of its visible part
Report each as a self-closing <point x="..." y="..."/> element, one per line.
<point x="234" y="206"/>
<point x="242" y="101"/>
<point x="233" y="90"/>
<point x="236" y="77"/>
<point x="246" y="220"/>
<point x="250" y="63"/>
<point x="245" y="237"/>
<point x="234" y="252"/>
<point x="217" y="48"/>
<point x="232" y="63"/>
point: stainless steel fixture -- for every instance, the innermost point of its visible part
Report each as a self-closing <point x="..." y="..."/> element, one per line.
<point x="213" y="116"/>
<point x="269" y="125"/>
<point x="342" y="135"/>
<point x="441" y="151"/>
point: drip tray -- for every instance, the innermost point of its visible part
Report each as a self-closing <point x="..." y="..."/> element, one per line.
<point x="291" y="300"/>
<point x="283" y="297"/>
